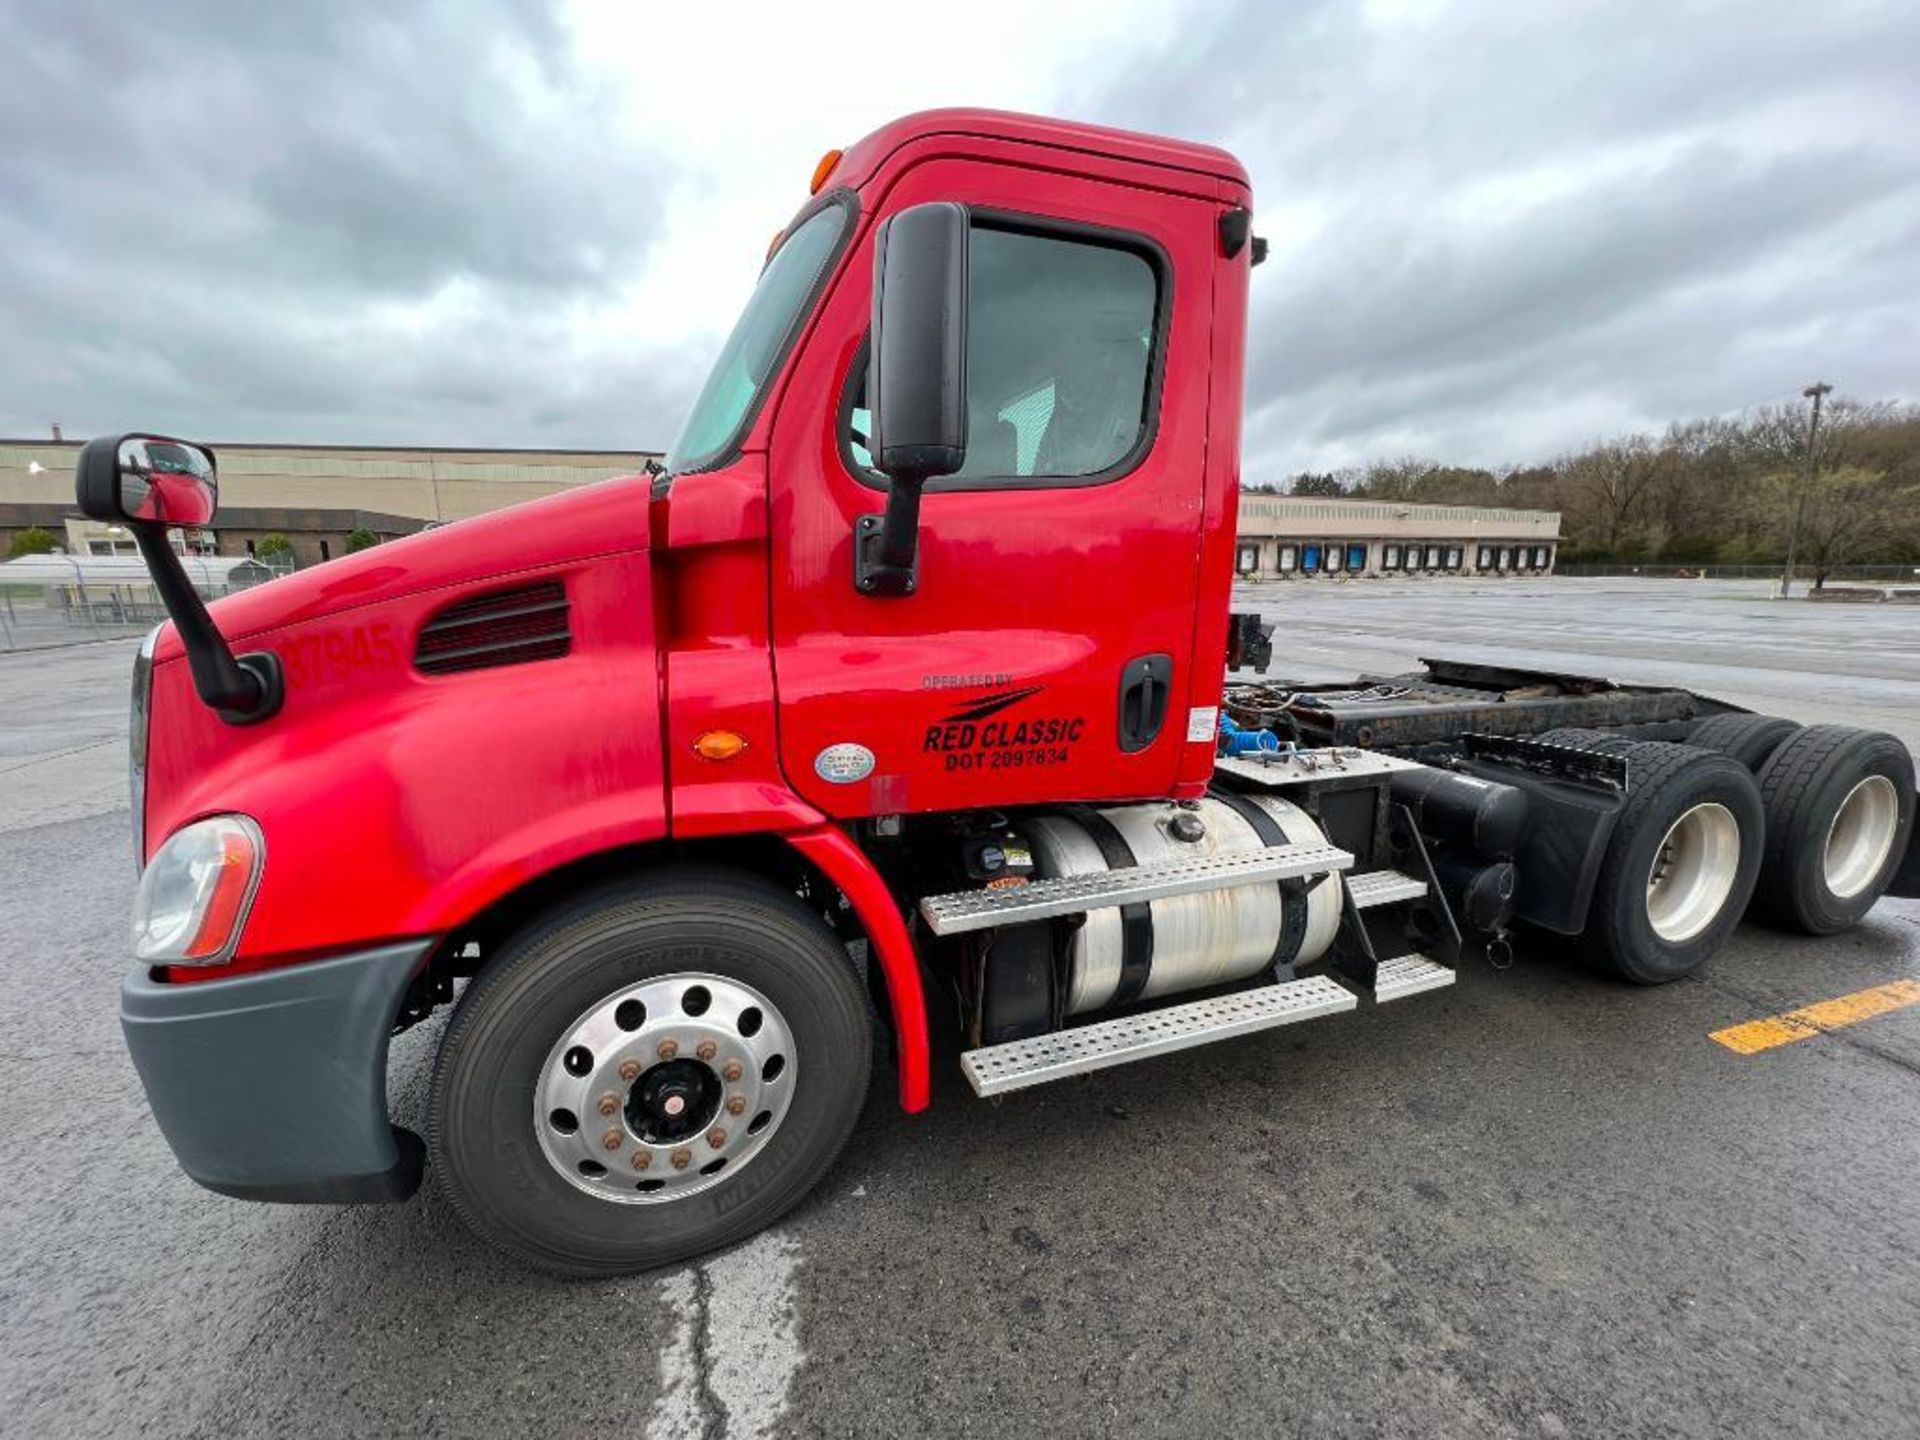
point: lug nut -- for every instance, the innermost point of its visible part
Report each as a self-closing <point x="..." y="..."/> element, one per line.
<point x="668" y="1049"/>
<point x="707" y="1050"/>
<point x="642" y="1159"/>
<point x="612" y="1140"/>
<point x="609" y="1104"/>
<point x="736" y="1104"/>
<point x="716" y="1137"/>
<point x="680" y="1159"/>
<point x="731" y="1071"/>
<point x="629" y="1070"/>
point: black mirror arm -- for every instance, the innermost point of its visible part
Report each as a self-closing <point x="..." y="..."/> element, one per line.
<point x="886" y="548"/>
<point x="243" y="690"/>
<point x="900" y="529"/>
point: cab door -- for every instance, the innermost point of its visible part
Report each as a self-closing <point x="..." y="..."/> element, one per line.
<point x="1043" y="653"/>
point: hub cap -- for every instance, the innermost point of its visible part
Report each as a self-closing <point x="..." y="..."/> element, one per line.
<point x="1693" y="872"/>
<point x="664" y="1089"/>
<point x="1861" y="836"/>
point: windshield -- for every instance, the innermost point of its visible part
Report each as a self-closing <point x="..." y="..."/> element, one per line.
<point x="758" y="341"/>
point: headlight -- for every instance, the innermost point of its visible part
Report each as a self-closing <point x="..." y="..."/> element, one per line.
<point x="193" y="899"/>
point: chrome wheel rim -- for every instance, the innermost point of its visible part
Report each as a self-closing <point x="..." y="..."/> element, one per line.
<point x="664" y="1089"/>
<point x="1693" y="872"/>
<point x="1861" y="836"/>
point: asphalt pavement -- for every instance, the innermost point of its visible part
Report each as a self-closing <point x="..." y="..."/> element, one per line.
<point x="1538" y="1203"/>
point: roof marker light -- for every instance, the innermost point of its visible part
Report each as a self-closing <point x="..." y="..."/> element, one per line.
<point x="822" y="171"/>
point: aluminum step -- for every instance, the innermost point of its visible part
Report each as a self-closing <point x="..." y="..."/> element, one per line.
<point x="1408" y="975"/>
<point x="996" y="1069"/>
<point x="967" y="910"/>
<point x="1382" y="887"/>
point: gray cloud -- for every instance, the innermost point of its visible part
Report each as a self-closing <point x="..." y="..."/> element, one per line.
<point x="1705" y="206"/>
<point x="1499" y="230"/>
<point x="357" y="221"/>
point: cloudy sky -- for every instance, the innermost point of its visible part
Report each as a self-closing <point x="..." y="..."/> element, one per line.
<point x="1497" y="230"/>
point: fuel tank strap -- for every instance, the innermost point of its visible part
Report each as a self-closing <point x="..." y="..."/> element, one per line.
<point x="1293" y="893"/>
<point x="1136" y="920"/>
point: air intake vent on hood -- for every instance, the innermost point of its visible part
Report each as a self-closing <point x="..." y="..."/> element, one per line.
<point x="507" y="627"/>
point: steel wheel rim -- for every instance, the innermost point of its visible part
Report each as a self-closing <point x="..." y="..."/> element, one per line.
<point x="1861" y="836"/>
<point x="1693" y="872"/>
<point x="603" y="1104"/>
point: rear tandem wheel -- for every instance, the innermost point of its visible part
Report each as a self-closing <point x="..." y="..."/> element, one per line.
<point x="1681" y="864"/>
<point x="1750" y="739"/>
<point x="1839" y="807"/>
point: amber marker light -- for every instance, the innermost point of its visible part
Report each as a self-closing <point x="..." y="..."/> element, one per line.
<point x="822" y="171"/>
<point x="719" y="745"/>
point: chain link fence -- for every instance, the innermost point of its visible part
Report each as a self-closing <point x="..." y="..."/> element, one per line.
<point x="53" y="600"/>
<point x="1802" y="574"/>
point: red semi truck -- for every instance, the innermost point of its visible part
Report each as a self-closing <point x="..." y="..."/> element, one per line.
<point x="889" y="717"/>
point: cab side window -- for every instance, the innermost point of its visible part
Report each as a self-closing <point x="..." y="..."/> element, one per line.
<point x="1061" y="340"/>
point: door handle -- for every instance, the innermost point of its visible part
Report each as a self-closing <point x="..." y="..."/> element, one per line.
<point x="1146" y="685"/>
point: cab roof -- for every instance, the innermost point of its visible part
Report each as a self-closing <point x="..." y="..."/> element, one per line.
<point x="866" y="155"/>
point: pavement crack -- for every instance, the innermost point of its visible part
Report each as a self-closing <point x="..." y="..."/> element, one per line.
<point x="713" y="1410"/>
<point x="58" y="755"/>
<point x="1867" y="1047"/>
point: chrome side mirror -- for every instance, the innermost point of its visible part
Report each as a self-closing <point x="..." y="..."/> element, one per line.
<point x="154" y="484"/>
<point x="147" y="480"/>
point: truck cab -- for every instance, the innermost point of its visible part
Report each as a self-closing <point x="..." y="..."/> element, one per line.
<point x="896" y="694"/>
<point x="1062" y="626"/>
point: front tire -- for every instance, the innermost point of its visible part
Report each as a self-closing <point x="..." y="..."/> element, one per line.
<point x="654" y="1070"/>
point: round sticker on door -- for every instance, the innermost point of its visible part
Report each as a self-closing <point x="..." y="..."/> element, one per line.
<point x="844" y="763"/>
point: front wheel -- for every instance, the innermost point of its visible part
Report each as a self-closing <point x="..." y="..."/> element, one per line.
<point x="655" y="1070"/>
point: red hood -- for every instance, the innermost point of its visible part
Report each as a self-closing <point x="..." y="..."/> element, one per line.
<point x="575" y="525"/>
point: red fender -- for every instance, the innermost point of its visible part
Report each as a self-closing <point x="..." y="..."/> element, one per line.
<point x="889" y="945"/>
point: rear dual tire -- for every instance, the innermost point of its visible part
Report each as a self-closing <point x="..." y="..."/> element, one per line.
<point x="1681" y="864"/>
<point x="1750" y="739"/>
<point x="1836" y="815"/>
<point x="1839" y="811"/>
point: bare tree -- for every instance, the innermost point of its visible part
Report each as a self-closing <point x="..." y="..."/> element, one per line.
<point x="1310" y="484"/>
<point x="1851" y="514"/>
<point x="1611" y="483"/>
<point x="1394" y="479"/>
<point x="1703" y="491"/>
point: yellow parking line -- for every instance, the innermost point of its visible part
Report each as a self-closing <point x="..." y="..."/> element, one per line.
<point x="1757" y="1035"/>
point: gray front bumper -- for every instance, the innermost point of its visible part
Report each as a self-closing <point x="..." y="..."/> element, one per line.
<point x="273" y="1086"/>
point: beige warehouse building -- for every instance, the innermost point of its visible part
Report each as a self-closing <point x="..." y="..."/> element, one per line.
<point x="319" y="495"/>
<point x="1308" y="537"/>
<point x="314" y="495"/>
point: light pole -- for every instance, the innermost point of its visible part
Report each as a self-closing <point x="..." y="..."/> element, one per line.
<point x="1814" y="392"/>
